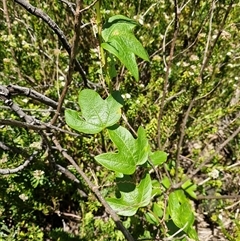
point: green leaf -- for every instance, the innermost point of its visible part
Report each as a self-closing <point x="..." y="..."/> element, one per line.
<point x="158" y="210"/>
<point x="96" y="113"/>
<point x="142" y="147"/>
<point x="123" y="22"/>
<point x="190" y="188"/>
<point x="121" y="42"/>
<point x="158" y="157"/>
<point x="111" y="67"/>
<point x="151" y="218"/>
<point x="181" y="213"/>
<point x="127" y="58"/>
<point x="156" y="190"/>
<point x="131" y="152"/>
<point x="130" y="202"/>
<point x="166" y="182"/>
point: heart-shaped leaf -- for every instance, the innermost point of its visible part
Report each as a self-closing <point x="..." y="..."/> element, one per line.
<point x="130" y="202"/>
<point x="121" y="42"/>
<point x="96" y="113"/>
<point x="131" y="152"/>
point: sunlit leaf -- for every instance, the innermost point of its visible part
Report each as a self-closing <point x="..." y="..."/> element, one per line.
<point x="96" y="113"/>
<point x="131" y="152"/>
<point x="130" y="202"/>
<point x="121" y="42"/>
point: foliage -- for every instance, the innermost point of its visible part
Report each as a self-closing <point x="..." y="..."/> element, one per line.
<point x="97" y="114"/>
<point x="120" y="41"/>
<point x="142" y="163"/>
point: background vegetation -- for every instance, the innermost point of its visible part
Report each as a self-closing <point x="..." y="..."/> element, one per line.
<point x="187" y="99"/>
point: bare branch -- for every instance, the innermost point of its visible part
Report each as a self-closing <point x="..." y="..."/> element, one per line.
<point x="207" y="55"/>
<point x="168" y="67"/>
<point x="89" y="6"/>
<point x="7" y="171"/>
<point x="220" y="147"/>
<point x="15" y="107"/>
<point x="40" y="126"/>
<point x="40" y="14"/>
<point x="17" y="169"/>
<point x="22" y="124"/>
<point x="70" y="5"/>
<point x="72" y="177"/>
<point x="10" y="32"/>
<point x="208" y="197"/>
<point x="182" y="131"/>
<point x="206" y="51"/>
<point x="18" y="90"/>
<point x="190" y="174"/>
<point x="95" y="190"/>
<point x="74" y="49"/>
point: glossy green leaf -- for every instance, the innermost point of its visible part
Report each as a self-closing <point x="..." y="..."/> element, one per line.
<point x="131" y="152"/>
<point x="181" y="212"/>
<point x="127" y="58"/>
<point x="121" y="42"/>
<point x="130" y="202"/>
<point x="158" y="157"/>
<point x="96" y="113"/>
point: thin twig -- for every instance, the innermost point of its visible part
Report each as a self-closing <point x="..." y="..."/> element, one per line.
<point x="70" y="5"/>
<point x="170" y="98"/>
<point x="95" y="190"/>
<point x="182" y="131"/>
<point x="19" y="90"/>
<point x="40" y="126"/>
<point x="21" y="124"/>
<point x="40" y="14"/>
<point x="72" y="177"/>
<point x="209" y="197"/>
<point x="128" y="124"/>
<point x="208" y="54"/>
<point x="220" y="147"/>
<point x="206" y="58"/>
<point x="190" y="174"/>
<point x="176" y="29"/>
<point x="74" y="49"/>
<point x="6" y="171"/>
<point x="206" y="51"/>
<point x="10" y="33"/>
<point x="89" y="6"/>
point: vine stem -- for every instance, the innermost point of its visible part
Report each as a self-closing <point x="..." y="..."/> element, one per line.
<point x="95" y="190"/>
<point x="102" y="56"/>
